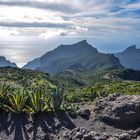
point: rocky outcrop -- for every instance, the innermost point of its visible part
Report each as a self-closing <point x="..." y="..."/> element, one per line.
<point x="119" y="111"/>
<point x="80" y="133"/>
<point x="115" y="117"/>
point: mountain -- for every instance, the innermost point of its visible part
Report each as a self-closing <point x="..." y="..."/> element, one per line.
<point x="32" y="64"/>
<point x="5" y="63"/>
<point x="130" y="57"/>
<point x="81" y="55"/>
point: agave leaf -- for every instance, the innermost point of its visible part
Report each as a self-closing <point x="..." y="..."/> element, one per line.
<point x="12" y="101"/>
<point x="3" y="90"/>
<point x="29" y="110"/>
<point x="8" y="108"/>
<point x="44" y="108"/>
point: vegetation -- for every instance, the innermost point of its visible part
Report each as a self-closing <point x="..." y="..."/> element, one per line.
<point x="85" y="85"/>
<point x="15" y="102"/>
<point x="72" y="79"/>
<point x="101" y="90"/>
<point x="39" y="101"/>
<point x="32" y="92"/>
<point x="30" y="102"/>
<point x="23" y="79"/>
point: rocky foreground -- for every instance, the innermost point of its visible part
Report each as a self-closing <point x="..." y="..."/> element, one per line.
<point x="116" y="117"/>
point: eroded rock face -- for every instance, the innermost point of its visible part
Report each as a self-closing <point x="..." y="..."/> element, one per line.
<point x="117" y="117"/>
<point x="119" y="110"/>
<point x="80" y="133"/>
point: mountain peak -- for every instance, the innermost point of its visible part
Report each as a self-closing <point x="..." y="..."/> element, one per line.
<point x="4" y="62"/>
<point x="80" y="55"/>
<point x="130" y="57"/>
<point x="79" y="45"/>
<point x="82" y="42"/>
<point x="133" y="47"/>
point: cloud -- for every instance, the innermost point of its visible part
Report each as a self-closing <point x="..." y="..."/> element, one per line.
<point x="8" y="32"/>
<point x="33" y="24"/>
<point x="78" y="28"/>
<point x="51" y="33"/>
<point x="61" y="6"/>
<point x="133" y="6"/>
<point x="100" y="20"/>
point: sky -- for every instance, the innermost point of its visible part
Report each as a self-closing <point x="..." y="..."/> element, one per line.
<point x="30" y="28"/>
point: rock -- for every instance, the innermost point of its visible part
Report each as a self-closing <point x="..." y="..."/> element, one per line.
<point x="94" y="136"/>
<point x="124" y="136"/>
<point x="114" y="97"/>
<point x="84" y="113"/>
<point x="80" y="133"/>
<point x="72" y="114"/>
<point x="87" y="137"/>
<point x="116" y="118"/>
<point x="66" y="135"/>
<point x="29" y="128"/>
<point x="112" y="112"/>
<point x="119" y="111"/>
<point x="75" y="134"/>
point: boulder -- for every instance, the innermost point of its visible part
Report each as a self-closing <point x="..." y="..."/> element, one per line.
<point x="122" y="111"/>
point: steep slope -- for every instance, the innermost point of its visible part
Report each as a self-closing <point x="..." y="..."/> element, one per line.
<point x="32" y="64"/>
<point x="80" y="54"/>
<point x="5" y="63"/>
<point x="130" y="57"/>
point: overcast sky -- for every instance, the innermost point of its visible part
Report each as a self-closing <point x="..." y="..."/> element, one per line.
<point x="29" y="28"/>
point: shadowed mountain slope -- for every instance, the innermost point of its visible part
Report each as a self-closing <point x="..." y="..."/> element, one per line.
<point x="130" y="57"/>
<point x="77" y="55"/>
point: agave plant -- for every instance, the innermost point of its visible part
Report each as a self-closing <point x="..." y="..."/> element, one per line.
<point x="57" y="99"/>
<point x="15" y="102"/>
<point x="3" y="94"/>
<point x="3" y="90"/>
<point x="40" y="101"/>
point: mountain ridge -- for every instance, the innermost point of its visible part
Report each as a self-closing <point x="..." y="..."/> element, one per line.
<point x="130" y="57"/>
<point x="5" y="63"/>
<point x="80" y="53"/>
